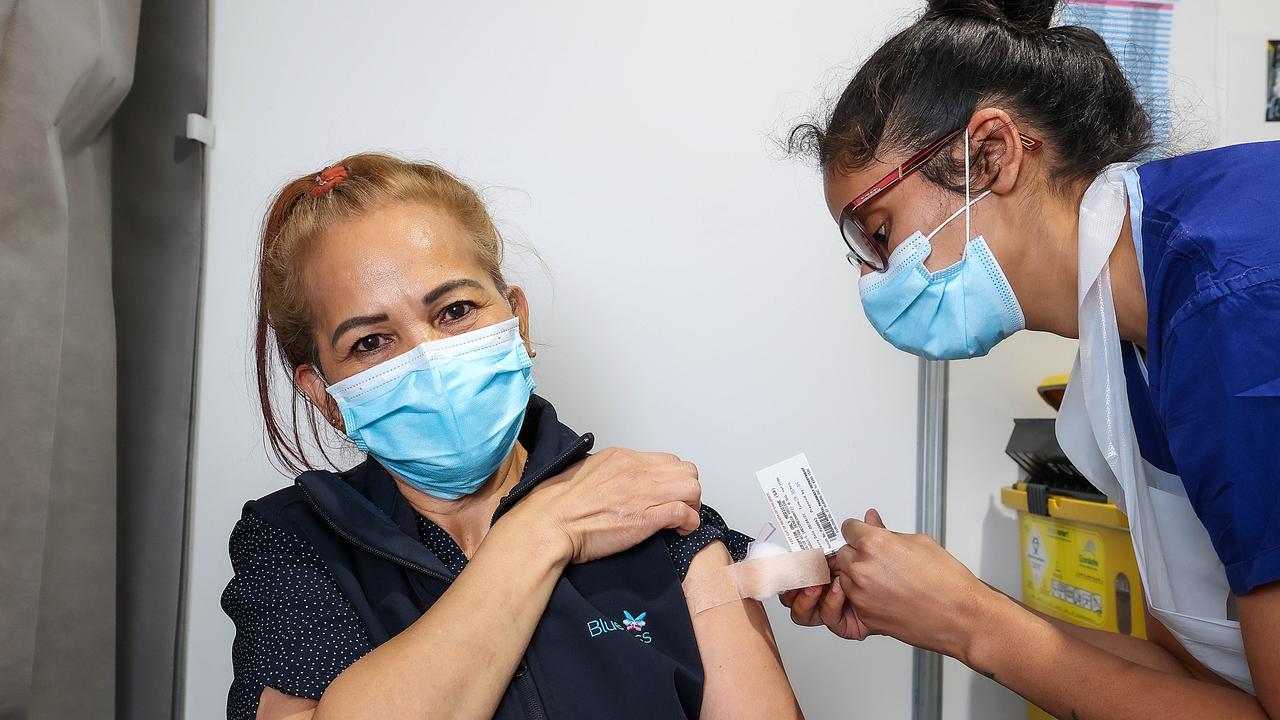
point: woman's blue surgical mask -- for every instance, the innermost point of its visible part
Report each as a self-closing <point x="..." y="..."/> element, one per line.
<point x="444" y="415"/>
<point x="958" y="312"/>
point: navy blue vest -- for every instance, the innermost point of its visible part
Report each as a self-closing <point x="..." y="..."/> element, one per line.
<point x="583" y="660"/>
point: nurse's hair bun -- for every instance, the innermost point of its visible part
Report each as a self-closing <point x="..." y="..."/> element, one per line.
<point x="1059" y="83"/>
<point x="1025" y="16"/>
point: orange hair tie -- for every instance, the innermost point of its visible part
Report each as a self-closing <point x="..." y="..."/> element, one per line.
<point x="328" y="178"/>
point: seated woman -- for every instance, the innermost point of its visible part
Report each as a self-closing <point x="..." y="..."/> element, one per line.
<point x="477" y="563"/>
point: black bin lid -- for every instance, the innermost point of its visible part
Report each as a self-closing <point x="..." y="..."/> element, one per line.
<point x="1034" y="446"/>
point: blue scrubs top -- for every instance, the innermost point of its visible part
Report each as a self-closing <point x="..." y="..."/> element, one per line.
<point x="1206" y="404"/>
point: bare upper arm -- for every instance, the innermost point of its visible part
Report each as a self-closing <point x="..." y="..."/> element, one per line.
<point x="744" y="673"/>
<point x="275" y="705"/>
<point x="1260" y="625"/>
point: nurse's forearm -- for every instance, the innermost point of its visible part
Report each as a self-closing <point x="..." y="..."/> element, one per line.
<point x="1071" y="678"/>
<point x="1133" y="649"/>
<point x="1143" y="652"/>
<point x="457" y="660"/>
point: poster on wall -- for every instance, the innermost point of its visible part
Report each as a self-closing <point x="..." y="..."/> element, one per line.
<point x="1273" y="81"/>
<point x="1139" y="33"/>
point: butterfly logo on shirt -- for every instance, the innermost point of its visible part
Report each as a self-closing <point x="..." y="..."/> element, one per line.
<point x="635" y="624"/>
<point x="632" y="625"/>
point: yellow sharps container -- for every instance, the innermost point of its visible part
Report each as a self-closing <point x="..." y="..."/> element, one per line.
<point x="1077" y="559"/>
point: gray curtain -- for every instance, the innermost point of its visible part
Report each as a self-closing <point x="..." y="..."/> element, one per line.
<point x="157" y="234"/>
<point x="65" y="67"/>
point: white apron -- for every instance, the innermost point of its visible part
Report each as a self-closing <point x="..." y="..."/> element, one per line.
<point x="1185" y="583"/>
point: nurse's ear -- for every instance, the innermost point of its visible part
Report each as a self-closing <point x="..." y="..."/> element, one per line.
<point x="996" y="151"/>
<point x="520" y="308"/>
<point x="313" y="386"/>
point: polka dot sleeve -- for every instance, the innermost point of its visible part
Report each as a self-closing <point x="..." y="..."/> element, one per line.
<point x="295" y="631"/>
<point x="713" y="528"/>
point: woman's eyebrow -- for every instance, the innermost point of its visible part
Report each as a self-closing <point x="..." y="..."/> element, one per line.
<point x="355" y="322"/>
<point x="447" y="287"/>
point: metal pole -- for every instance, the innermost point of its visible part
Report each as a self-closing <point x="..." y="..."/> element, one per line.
<point x="931" y="497"/>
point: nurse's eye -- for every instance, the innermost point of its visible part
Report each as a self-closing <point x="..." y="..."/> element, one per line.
<point x="368" y="344"/>
<point x="457" y="311"/>
<point x="881" y="235"/>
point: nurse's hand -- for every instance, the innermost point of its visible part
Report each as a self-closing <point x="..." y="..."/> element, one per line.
<point x="909" y="587"/>
<point x="611" y="501"/>
<point x="825" y="605"/>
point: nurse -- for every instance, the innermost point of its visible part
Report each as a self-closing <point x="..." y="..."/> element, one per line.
<point x="980" y="168"/>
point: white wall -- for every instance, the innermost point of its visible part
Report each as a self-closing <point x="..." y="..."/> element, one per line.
<point x="1244" y="27"/>
<point x="698" y="299"/>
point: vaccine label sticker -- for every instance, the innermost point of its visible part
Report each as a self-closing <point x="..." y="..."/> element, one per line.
<point x="798" y="505"/>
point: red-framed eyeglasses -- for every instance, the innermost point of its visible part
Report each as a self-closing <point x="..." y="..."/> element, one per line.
<point x="863" y="248"/>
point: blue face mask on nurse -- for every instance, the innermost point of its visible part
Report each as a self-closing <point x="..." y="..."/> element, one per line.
<point x="915" y="291"/>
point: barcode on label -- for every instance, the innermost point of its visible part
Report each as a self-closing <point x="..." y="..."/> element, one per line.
<point x="828" y="526"/>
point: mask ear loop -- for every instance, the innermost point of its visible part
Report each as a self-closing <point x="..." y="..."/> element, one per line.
<point x="967" y="234"/>
<point x="968" y="200"/>
<point x="315" y="367"/>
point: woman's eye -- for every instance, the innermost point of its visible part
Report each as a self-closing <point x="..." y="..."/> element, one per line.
<point x="367" y="344"/>
<point x="457" y="311"/>
<point x="881" y="235"/>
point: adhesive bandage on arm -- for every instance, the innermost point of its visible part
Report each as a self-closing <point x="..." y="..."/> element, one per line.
<point x="768" y="570"/>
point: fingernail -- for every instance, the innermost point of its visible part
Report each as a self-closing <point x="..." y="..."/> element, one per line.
<point x="835" y="587"/>
<point x="811" y="591"/>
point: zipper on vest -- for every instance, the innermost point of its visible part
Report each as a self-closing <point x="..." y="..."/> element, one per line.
<point x="529" y="691"/>
<point x="523" y="680"/>
<point x="369" y="548"/>
<point x="523" y="488"/>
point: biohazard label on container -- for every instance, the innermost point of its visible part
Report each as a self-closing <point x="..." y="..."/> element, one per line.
<point x="1036" y="557"/>
<point x="1063" y="571"/>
